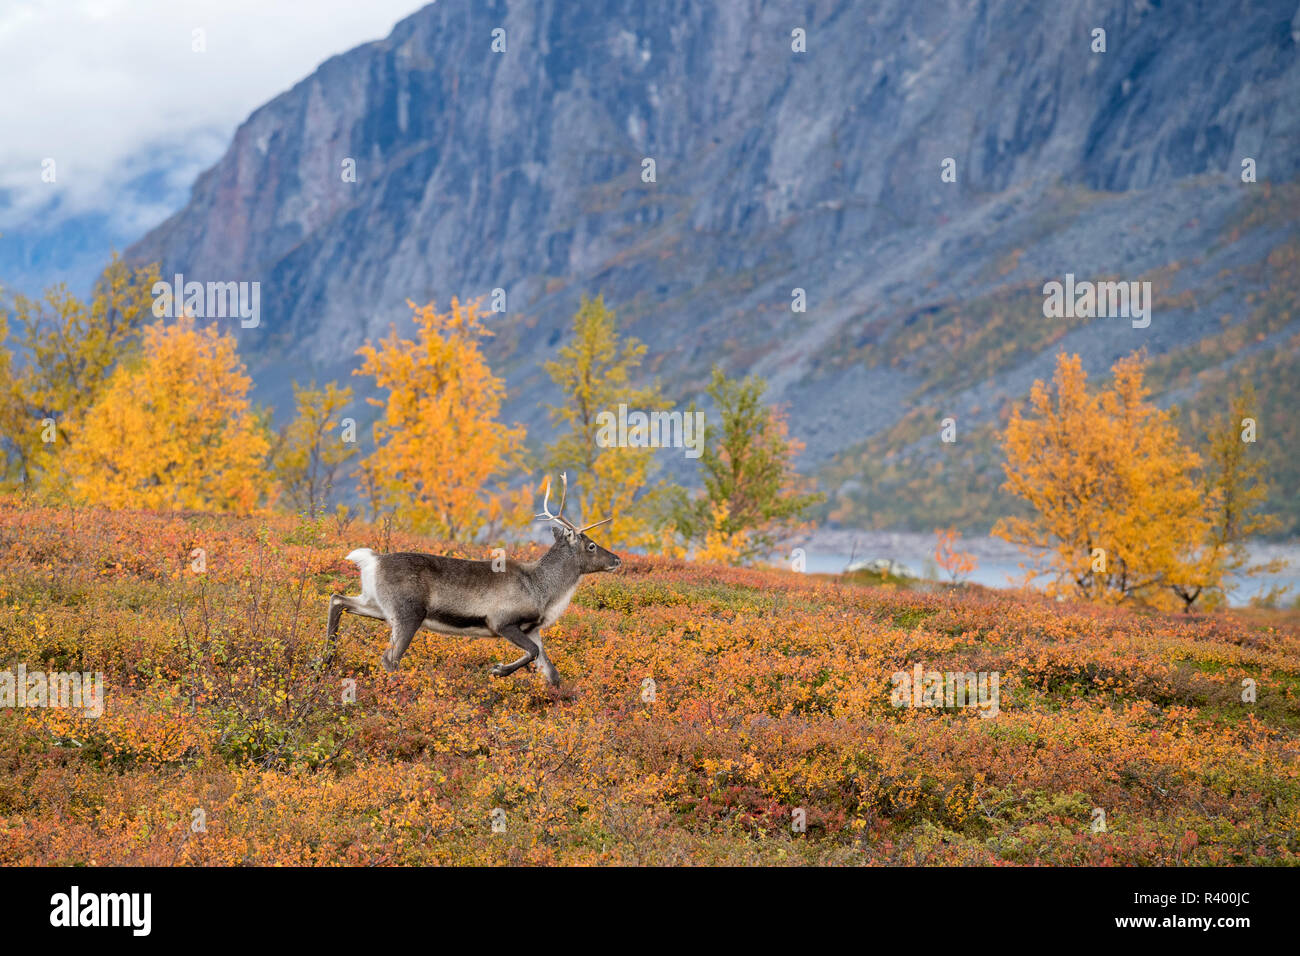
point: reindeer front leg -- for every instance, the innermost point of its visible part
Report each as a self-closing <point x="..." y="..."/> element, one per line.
<point x="515" y="635"/>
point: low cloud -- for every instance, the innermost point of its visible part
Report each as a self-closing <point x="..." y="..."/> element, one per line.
<point x="113" y="91"/>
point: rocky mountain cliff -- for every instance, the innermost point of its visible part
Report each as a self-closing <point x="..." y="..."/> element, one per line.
<point x="522" y="169"/>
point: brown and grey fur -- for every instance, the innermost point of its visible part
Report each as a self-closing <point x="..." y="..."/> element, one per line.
<point x="458" y="597"/>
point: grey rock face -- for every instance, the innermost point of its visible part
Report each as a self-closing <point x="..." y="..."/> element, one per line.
<point x="775" y="170"/>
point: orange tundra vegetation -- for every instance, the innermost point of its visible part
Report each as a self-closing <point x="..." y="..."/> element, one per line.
<point x="228" y="736"/>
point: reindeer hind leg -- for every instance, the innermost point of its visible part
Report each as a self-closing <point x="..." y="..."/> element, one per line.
<point x="405" y="622"/>
<point x="338" y="604"/>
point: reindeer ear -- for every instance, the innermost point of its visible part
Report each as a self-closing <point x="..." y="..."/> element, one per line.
<point x="559" y="534"/>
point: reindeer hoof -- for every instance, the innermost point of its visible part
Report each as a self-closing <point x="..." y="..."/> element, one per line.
<point x="388" y="665"/>
<point x="497" y="670"/>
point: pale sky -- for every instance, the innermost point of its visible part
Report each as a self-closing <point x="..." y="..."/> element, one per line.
<point x="100" y="85"/>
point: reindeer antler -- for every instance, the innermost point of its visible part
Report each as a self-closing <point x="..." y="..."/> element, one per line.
<point x="564" y="494"/>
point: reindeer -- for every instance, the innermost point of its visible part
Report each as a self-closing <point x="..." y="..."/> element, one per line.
<point x="474" y="599"/>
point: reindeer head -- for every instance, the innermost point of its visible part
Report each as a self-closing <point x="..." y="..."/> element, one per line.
<point x="590" y="556"/>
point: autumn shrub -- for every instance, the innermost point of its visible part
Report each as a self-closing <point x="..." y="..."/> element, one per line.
<point x="701" y="708"/>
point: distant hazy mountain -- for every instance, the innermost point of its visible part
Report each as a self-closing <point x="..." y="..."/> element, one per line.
<point x="70" y="241"/>
<point x="34" y="256"/>
<point x="779" y="170"/>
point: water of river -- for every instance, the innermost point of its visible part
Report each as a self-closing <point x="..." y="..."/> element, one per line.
<point x="999" y="562"/>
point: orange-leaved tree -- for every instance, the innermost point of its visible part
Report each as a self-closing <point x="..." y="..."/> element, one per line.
<point x="441" y="456"/>
<point x="946" y="555"/>
<point x="1116" y="510"/>
<point x="173" y="428"/>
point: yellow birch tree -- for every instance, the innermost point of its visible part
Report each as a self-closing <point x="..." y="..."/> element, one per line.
<point x="441" y="456"/>
<point x="173" y="428"/>
<point x="69" y="347"/>
<point x="1115" y="502"/>
<point x="594" y="372"/>
<point x="313" y="450"/>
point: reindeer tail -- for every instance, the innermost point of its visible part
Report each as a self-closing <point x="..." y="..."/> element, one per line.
<point x="362" y="557"/>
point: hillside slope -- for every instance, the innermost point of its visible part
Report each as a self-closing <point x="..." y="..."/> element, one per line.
<point x="701" y="707"/>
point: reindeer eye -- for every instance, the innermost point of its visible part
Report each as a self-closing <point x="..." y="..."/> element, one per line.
<point x="592" y="547"/>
